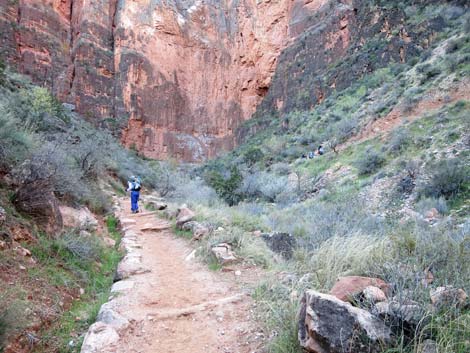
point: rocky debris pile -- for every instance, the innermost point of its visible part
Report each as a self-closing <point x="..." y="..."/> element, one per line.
<point x="365" y="315"/>
<point x="224" y="253"/>
<point x="281" y="243"/>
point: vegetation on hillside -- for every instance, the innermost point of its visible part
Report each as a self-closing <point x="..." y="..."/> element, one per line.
<point x="389" y="199"/>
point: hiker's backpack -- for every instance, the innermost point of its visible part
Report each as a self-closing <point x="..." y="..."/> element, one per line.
<point x="136" y="186"/>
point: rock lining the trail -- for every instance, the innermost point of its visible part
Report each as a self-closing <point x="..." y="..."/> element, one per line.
<point x="182" y="298"/>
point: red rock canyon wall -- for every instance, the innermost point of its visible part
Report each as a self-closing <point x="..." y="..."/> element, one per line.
<point x="181" y="74"/>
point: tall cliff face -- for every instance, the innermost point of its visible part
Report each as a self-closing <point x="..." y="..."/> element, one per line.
<point x="178" y="76"/>
<point x="192" y="71"/>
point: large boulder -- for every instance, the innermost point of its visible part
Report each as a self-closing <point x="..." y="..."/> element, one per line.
<point x="184" y="215"/>
<point x="281" y="243"/>
<point x="348" y="288"/>
<point x="330" y="325"/>
<point x="37" y="200"/>
<point x="80" y="218"/>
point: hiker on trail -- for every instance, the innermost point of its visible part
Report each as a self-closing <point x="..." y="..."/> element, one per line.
<point x="311" y="155"/>
<point x="134" y="187"/>
<point x="321" y="151"/>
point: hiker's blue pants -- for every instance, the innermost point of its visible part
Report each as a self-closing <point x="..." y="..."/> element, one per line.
<point x="134" y="200"/>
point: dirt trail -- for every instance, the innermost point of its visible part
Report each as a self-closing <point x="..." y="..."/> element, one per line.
<point x="177" y="305"/>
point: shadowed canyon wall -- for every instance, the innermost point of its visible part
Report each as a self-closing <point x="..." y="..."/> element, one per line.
<point x="177" y="77"/>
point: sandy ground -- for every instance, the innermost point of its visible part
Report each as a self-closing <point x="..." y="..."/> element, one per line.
<point x="180" y="305"/>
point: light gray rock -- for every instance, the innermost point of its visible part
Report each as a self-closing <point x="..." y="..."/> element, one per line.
<point x="122" y="286"/>
<point x="110" y="317"/>
<point x="99" y="337"/>
<point x="428" y="346"/>
<point x="329" y="325"/>
<point x="224" y="254"/>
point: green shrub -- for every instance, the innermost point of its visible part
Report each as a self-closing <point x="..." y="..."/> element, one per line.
<point x="2" y="71"/>
<point x="14" y="143"/>
<point x="369" y="162"/>
<point x="226" y="187"/>
<point x="253" y="155"/>
<point x="399" y="141"/>
<point x="447" y="178"/>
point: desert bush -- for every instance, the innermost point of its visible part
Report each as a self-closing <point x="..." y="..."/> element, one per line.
<point x="2" y="71"/>
<point x="281" y="168"/>
<point x="12" y="315"/>
<point x="355" y="254"/>
<point x="265" y="185"/>
<point x="193" y="191"/>
<point x="399" y="141"/>
<point x="447" y="178"/>
<point x="226" y="187"/>
<point x="84" y="248"/>
<point x="14" y="143"/>
<point x="369" y="162"/>
<point x="456" y="44"/>
<point x="252" y="155"/>
<point x="342" y="130"/>
<point x="426" y="204"/>
<point x="320" y="220"/>
<point x="411" y="97"/>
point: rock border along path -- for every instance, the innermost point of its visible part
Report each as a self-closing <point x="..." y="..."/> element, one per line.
<point x="165" y="302"/>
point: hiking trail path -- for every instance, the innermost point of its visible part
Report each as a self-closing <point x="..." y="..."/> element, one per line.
<point x="171" y="303"/>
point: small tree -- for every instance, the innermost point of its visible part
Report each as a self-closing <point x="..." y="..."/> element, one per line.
<point x="226" y="187"/>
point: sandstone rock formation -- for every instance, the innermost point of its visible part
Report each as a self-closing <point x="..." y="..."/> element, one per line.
<point x="346" y="288"/>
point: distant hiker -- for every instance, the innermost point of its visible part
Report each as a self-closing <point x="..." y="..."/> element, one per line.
<point x="311" y="155"/>
<point x="321" y="151"/>
<point x="134" y="187"/>
<point x="303" y="156"/>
